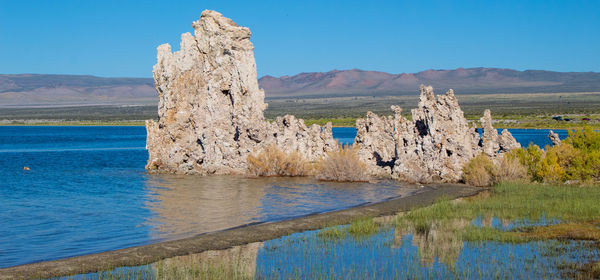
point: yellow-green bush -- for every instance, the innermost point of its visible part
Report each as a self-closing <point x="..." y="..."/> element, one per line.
<point x="480" y="171"/>
<point x="577" y="159"/>
<point x="585" y="165"/>
<point x="530" y="157"/>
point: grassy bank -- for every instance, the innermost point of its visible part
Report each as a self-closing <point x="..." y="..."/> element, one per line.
<point x="514" y="230"/>
<point x="529" y="210"/>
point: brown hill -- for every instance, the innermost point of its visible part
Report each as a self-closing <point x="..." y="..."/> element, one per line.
<point x="72" y="90"/>
<point x="30" y="90"/>
<point x="472" y="80"/>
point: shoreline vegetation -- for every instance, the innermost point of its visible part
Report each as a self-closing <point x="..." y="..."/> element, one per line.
<point x="515" y="110"/>
<point x="550" y="219"/>
<point x="500" y="122"/>
<point x="222" y="240"/>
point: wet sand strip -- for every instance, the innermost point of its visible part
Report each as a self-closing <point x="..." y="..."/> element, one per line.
<point x="147" y="254"/>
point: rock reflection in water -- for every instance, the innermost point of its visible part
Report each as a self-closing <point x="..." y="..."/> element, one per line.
<point x="238" y="262"/>
<point x="184" y="205"/>
<point x="390" y="254"/>
<point x="440" y="242"/>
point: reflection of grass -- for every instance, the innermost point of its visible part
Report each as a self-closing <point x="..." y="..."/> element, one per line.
<point x="439" y="232"/>
<point x="235" y="263"/>
<point x="526" y="212"/>
<point x="197" y="268"/>
<point x="142" y="272"/>
<point x="333" y="233"/>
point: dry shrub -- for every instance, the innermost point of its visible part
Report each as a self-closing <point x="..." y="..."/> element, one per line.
<point x="271" y="161"/>
<point x="480" y="171"/>
<point x="510" y="168"/>
<point x="342" y="165"/>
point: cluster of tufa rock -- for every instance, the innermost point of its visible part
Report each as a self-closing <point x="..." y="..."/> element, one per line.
<point x="211" y="117"/>
<point x="554" y="138"/>
<point x="211" y="109"/>
<point x="434" y="146"/>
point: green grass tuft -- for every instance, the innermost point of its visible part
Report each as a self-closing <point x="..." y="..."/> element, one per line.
<point x="363" y="228"/>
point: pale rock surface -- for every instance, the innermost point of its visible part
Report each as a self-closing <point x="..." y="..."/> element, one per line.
<point x="211" y="108"/>
<point x="211" y="117"/>
<point x="291" y="134"/>
<point x="553" y="136"/>
<point x="378" y="152"/>
<point x="433" y="147"/>
<point x="493" y="143"/>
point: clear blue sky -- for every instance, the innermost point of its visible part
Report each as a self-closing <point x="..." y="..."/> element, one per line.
<point x="119" y="38"/>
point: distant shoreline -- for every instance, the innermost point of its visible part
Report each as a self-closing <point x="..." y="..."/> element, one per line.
<point x="142" y="123"/>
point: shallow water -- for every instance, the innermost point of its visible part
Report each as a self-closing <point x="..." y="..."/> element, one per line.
<point x="87" y="192"/>
<point x="387" y="254"/>
<point x="392" y="254"/>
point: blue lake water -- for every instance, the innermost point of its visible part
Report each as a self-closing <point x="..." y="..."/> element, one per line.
<point x="392" y="254"/>
<point x="87" y="192"/>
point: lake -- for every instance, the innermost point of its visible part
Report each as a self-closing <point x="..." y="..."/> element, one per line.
<point x="87" y="192"/>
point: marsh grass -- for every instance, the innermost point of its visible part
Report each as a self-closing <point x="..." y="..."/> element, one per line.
<point x="363" y="228"/>
<point x="539" y="217"/>
<point x="271" y="161"/>
<point x="481" y="234"/>
<point x="520" y="204"/>
<point x="509" y="168"/>
<point x="358" y="229"/>
<point x="342" y="165"/>
<point x="565" y="231"/>
<point x="333" y="233"/>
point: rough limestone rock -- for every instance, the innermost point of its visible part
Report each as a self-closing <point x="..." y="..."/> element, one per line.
<point x="291" y="134"/>
<point x="378" y="152"/>
<point x="434" y="146"/>
<point x="491" y="142"/>
<point x="553" y="136"/>
<point x="210" y="106"/>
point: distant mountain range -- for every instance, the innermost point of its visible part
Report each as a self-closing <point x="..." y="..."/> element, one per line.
<point x="63" y="90"/>
<point x="471" y="80"/>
